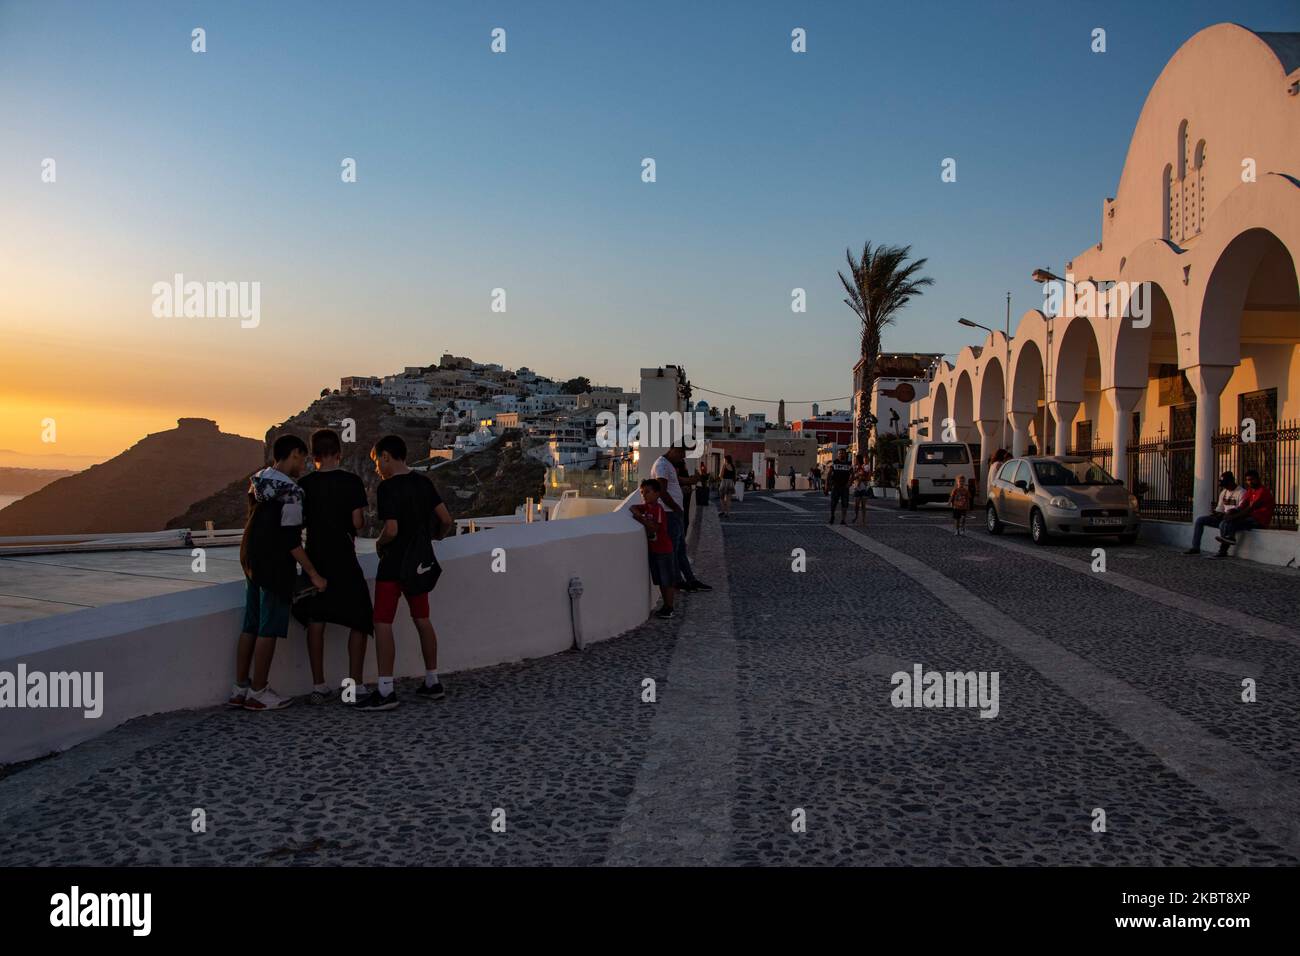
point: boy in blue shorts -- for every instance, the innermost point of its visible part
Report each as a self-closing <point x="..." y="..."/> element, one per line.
<point x="269" y="553"/>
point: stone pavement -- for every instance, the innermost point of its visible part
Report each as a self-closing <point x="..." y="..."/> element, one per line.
<point x="1118" y="691"/>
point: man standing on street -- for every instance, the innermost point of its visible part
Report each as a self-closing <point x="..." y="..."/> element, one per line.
<point x="841" y="474"/>
<point x="665" y="470"/>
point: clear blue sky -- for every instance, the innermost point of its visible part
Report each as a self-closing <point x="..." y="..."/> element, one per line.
<point x="522" y="171"/>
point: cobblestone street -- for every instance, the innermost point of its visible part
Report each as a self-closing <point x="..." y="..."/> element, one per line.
<point x="1119" y="691"/>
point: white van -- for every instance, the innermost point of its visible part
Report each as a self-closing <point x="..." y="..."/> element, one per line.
<point x="931" y="471"/>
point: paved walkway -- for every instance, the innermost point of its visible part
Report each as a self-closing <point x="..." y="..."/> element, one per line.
<point x="1118" y="691"/>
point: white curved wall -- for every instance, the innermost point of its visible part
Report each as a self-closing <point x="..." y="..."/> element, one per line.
<point x="566" y="509"/>
<point x="177" y="651"/>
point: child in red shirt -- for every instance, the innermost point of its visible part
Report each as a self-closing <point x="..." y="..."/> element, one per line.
<point x="960" y="501"/>
<point x="663" y="566"/>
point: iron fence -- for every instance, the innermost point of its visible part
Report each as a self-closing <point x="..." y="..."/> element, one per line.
<point x="1161" y="473"/>
<point x="1161" y="470"/>
<point x="1275" y="454"/>
<point x="1099" y="452"/>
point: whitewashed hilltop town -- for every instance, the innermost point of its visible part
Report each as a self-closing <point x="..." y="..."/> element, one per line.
<point x="470" y="404"/>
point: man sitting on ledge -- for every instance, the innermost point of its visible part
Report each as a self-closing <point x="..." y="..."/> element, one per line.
<point x="1229" y="497"/>
<point x="1255" y="511"/>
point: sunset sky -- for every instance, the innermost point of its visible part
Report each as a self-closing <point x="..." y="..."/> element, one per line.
<point x="522" y="171"/>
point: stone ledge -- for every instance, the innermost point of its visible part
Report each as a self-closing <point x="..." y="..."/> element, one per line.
<point x="1281" y="548"/>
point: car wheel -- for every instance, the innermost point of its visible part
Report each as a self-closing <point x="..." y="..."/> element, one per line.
<point x="1038" y="528"/>
<point x="991" y="520"/>
<point x="1127" y="538"/>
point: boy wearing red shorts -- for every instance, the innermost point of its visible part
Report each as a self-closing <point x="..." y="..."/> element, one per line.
<point x="413" y="516"/>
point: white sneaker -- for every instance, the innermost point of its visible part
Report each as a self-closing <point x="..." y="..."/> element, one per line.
<point x="237" y="696"/>
<point x="266" y="699"/>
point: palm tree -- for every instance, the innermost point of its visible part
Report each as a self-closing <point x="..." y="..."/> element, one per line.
<point x="879" y="284"/>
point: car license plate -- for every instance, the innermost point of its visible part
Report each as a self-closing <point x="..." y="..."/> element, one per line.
<point x="942" y="481"/>
<point x="1109" y="522"/>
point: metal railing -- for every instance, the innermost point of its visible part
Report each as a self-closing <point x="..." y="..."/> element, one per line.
<point x="117" y="541"/>
<point x="1099" y="452"/>
<point x="1275" y="454"/>
<point x="1162" y="474"/>
<point x="1161" y="470"/>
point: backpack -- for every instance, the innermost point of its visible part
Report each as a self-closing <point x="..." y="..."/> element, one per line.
<point x="420" y="569"/>
<point x="256" y="548"/>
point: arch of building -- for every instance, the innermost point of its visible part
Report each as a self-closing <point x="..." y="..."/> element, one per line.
<point x="939" y="408"/>
<point x="963" y="401"/>
<point x="1076" y="377"/>
<point x="989" y="363"/>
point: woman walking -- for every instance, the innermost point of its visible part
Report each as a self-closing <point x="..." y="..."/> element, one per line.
<point x="726" y="487"/>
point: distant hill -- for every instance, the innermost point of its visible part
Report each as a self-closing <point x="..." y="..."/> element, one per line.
<point x="23" y="481"/>
<point x="491" y="482"/>
<point x="47" y="461"/>
<point x="141" y="488"/>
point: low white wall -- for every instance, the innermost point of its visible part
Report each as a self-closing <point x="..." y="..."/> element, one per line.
<point x="177" y="651"/>
<point x="1267" y="547"/>
<point x="569" y="508"/>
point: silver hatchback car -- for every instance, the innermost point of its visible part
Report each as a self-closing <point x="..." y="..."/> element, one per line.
<point x="1060" y="496"/>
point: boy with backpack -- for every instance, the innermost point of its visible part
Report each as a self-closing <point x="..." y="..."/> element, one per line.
<point x="271" y="548"/>
<point x="412" y="514"/>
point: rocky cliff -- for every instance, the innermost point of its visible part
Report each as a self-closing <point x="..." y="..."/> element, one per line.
<point x="140" y="488"/>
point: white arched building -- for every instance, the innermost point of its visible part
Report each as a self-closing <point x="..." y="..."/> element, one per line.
<point x="1208" y="213"/>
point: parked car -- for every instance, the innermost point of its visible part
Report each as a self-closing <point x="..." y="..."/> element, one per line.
<point x="931" y="469"/>
<point x="1060" y="496"/>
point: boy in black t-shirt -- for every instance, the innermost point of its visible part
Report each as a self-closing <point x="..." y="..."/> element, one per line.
<point x="271" y="546"/>
<point x="841" y="473"/>
<point x="413" y="515"/>
<point x="334" y="509"/>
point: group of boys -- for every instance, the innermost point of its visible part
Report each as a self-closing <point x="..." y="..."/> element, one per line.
<point x="328" y="503"/>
